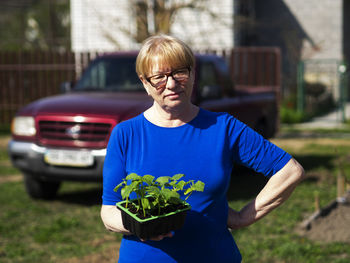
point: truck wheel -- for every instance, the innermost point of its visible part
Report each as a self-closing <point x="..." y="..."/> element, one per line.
<point x="39" y="189"/>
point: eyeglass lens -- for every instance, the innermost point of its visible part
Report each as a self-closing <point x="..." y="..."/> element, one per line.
<point x="160" y="80"/>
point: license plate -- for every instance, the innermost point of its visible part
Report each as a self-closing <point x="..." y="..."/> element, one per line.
<point x="69" y="158"/>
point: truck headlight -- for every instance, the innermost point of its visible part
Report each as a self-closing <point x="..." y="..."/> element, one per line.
<point x="23" y="126"/>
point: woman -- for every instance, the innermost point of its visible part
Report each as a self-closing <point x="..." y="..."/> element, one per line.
<point x="174" y="136"/>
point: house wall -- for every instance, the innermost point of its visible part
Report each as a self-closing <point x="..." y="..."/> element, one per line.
<point x="203" y="31"/>
<point x="103" y="25"/>
<point x="99" y="25"/>
<point x="322" y="46"/>
<point x="322" y="22"/>
<point x="301" y="29"/>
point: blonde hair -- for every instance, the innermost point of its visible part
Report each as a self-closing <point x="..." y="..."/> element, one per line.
<point x="169" y="50"/>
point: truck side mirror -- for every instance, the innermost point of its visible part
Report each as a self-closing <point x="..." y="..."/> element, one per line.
<point x="66" y="86"/>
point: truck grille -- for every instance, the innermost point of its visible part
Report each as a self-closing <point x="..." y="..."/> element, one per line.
<point x="65" y="133"/>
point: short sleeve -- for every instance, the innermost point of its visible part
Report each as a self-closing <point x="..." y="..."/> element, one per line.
<point x="252" y="150"/>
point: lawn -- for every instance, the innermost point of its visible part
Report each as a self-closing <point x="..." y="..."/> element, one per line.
<point x="70" y="226"/>
<point x="50" y="231"/>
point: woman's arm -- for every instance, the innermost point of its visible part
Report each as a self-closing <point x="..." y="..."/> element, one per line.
<point x="276" y="191"/>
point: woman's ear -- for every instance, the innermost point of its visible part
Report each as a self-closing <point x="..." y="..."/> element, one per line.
<point x="145" y="84"/>
<point x="143" y="80"/>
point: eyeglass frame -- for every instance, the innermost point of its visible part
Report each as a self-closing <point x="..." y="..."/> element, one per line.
<point x="167" y="76"/>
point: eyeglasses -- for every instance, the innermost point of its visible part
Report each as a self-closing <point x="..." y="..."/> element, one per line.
<point x="159" y="81"/>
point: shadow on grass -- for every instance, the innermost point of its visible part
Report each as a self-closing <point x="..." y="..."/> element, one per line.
<point x="246" y="184"/>
<point x="88" y="197"/>
<point x="312" y="162"/>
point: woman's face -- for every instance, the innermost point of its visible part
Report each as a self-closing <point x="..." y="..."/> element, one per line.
<point x="170" y="87"/>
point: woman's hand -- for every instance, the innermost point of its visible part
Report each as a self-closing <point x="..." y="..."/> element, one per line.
<point x="160" y="237"/>
<point x="112" y="219"/>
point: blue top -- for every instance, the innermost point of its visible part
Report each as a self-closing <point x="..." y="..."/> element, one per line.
<point x="203" y="149"/>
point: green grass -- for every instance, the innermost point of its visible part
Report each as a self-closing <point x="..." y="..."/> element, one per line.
<point x="6" y="167"/>
<point x="70" y="226"/>
<point x="48" y="231"/>
<point x="295" y="129"/>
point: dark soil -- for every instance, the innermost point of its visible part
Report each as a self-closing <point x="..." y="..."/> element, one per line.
<point x="154" y="212"/>
<point x="332" y="225"/>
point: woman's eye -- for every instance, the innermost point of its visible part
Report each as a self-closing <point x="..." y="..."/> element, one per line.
<point x="158" y="77"/>
<point x="181" y="72"/>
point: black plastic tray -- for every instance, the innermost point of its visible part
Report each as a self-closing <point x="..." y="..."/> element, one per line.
<point x="154" y="226"/>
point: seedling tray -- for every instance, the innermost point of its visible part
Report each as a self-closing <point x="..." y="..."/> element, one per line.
<point x="155" y="225"/>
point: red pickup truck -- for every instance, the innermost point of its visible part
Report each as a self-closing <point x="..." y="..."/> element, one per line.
<point x="64" y="137"/>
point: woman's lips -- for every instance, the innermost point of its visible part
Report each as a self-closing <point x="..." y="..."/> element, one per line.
<point x="173" y="95"/>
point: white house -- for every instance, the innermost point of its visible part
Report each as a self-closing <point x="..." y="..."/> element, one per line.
<point x="106" y="25"/>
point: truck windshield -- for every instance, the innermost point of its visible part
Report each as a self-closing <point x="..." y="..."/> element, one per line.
<point x="110" y="74"/>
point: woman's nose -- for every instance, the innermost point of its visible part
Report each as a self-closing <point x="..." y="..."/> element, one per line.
<point x="170" y="84"/>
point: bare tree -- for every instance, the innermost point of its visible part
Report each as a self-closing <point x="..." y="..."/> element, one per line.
<point x="152" y="17"/>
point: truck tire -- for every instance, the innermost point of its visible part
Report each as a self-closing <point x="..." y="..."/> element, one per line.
<point x="39" y="189"/>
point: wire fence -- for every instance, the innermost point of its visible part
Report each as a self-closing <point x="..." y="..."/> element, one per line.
<point x="322" y="87"/>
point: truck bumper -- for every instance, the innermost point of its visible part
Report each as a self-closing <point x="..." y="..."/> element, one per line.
<point x="29" y="158"/>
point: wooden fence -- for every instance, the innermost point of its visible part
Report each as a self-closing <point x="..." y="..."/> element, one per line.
<point x="256" y="67"/>
<point x="28" y="76"/>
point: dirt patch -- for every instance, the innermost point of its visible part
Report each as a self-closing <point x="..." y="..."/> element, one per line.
<point x="299" y="143"/>
<point x="4" y="141"/>
<point x="331" y="224"/>
<point x="10" y="178"/>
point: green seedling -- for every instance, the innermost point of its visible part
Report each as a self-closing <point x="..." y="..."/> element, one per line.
<point x="164" y="191"/>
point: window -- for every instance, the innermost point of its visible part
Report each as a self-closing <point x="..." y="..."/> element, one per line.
<point x="209" y="87"/>
<point x="111" y="74"/>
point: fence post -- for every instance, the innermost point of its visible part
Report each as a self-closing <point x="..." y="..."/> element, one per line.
<point x="342" y="89"/>
<point x="300" y="88"/>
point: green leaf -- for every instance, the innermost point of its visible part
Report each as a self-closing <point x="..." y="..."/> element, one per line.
<point x="128" y="189"/>
<point x="123" y="193"/>
<point x="163" y="180"/>
<point x="153" y="190"/>
<point x="168" y="194"/>
<point x="145" y="203"/>
<point x="199" y="186"/>
<point x="133" y="177"/>
<point x="177" y="177"/>
<point x="148" y="179"/>
<point x="118" y="186"/>
<point x="180" y="185"/>
<point x="175" y="200"/>
<point x="189" y="190"/>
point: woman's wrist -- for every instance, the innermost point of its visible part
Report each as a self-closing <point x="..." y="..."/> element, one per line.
<point x="234" y="219"/>
<point x="245" y="217"/>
